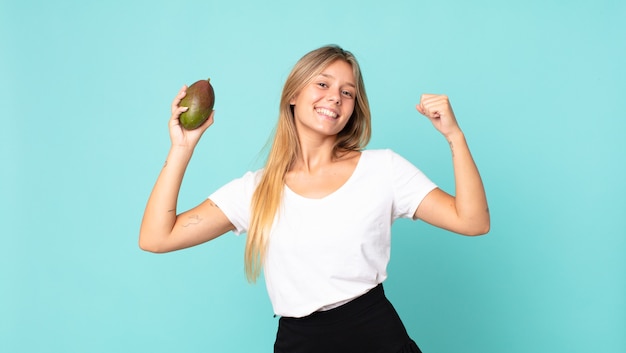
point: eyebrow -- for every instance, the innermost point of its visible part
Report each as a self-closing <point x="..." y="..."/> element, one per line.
<point x="333" y="77"/>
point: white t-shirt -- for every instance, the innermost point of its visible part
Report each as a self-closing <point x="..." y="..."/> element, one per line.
<point x="324" y="252"/>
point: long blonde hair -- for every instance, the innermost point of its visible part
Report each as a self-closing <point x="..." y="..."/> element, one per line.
<point x="286" y="147"/>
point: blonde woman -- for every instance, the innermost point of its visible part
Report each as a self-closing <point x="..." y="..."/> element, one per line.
<point x="318" y="216"/>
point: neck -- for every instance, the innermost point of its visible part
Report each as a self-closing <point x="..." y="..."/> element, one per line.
<point x="315" y="154"/>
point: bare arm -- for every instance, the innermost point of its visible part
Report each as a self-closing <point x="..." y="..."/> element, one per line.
<point x="466" y="213"/>
<point x="162" y="229"/>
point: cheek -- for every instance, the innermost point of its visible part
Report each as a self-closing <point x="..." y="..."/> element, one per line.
<point x="349" y="108"/>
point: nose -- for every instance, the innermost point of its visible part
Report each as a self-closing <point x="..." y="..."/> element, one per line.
<point x="335" y="97"/>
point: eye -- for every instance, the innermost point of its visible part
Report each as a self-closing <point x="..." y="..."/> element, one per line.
<point x="347" y="94"/>
<point x="322" y="84"/>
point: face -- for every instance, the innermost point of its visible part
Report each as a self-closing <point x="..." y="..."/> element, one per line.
<point x="325" y="105"/>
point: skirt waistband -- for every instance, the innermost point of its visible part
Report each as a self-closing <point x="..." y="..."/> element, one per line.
<point x="369" y="323"/>
<point x="354" y="307"/>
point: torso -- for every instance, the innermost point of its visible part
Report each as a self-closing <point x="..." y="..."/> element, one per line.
<point x="325" y="180"/>
<point x="326" y="250"/>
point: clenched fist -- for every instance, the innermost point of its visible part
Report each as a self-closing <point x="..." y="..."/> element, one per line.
<point x="438" y="110"/>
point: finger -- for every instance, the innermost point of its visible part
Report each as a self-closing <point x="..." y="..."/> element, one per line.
<point x="434" y="104"/>
<point x="426" y="101"/>
<point x="433" y="99"/>
<point x="420" y="109"/>
<point x="177" y="112"/>
<point x="179" y="96"/>
<point x="427" y="109"/>
<point x="427" y="96"/>
<point x="182" y="92"/>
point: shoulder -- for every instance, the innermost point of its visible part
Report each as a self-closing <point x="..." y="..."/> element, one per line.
<point x="377" y="153"/>
<point x="380" y="152"/>
<point x="251" y="177"/>
<point x="242" y="185"/>
<point x="389" y="161"/>
<point x="385" y="155"/>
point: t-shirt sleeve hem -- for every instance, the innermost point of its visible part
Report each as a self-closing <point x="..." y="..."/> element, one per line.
<point x="421" y="198"/>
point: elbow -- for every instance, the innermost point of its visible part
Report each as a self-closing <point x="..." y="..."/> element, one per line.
<point x="481" y="224"/>
<point x="474" y="227"/>
<point x="149" y="246"/>
<point x="478" y="229"/>
<point x="146" y="247"/>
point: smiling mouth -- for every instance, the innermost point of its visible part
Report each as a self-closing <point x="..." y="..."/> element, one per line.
<point x="327" y="112"/>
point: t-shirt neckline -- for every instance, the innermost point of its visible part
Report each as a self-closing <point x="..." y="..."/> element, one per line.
<point x="335" y="192"/>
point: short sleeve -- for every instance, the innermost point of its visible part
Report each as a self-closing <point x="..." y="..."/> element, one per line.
<point x="410" y="186"/>
<point x="234" y="200"/>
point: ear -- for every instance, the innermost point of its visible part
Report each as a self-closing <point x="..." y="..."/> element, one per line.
<point x="292" y="101"/>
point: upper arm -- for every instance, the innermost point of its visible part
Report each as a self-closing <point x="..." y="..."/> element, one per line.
<point x="196" y="226"/>
<point x="438" y="208"/>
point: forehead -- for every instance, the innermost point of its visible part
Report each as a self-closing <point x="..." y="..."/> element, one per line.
<point x="341" y="71"/>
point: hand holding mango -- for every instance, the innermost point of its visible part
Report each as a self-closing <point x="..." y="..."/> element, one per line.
<point x="192" y="114"/>
<point x="199" y="100"/>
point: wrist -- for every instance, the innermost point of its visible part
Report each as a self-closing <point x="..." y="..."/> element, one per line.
<point x="180" y="152"/>
<point x="455" y="135"/>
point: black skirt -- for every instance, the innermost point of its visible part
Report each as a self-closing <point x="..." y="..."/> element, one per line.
<point x="367" y="324"/>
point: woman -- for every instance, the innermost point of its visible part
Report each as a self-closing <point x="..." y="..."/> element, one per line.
<point x="318" y="215"/>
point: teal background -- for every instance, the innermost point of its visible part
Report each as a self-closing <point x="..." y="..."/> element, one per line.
<point x="85" y="91"/>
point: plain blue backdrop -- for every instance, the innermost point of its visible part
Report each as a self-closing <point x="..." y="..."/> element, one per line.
<point x="85" y="91"/>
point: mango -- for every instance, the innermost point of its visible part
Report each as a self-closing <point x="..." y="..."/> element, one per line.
<point x="200" y="99"/>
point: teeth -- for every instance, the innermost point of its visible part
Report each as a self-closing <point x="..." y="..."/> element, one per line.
<point x="326" y="112"/>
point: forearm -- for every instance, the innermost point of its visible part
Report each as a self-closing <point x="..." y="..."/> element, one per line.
<point x="160" y="213"/>
<point x="470" y="200"/>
